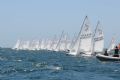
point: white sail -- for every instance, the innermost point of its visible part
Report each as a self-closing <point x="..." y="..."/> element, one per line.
<point x="43" y="44"/>
<point x="83" y="41"/>
<point x="20" y="45"/>
<point x="32" y="45"/>
<point x="17" y="45"/>
<point x="68" y="45"/>
<point x="72" y="44"/>
<point x="36" y="44"/>
<point x="98" y="45"/>
<point x="25" y="45"/>
<point x="54" y="44"/>
<point x="63" y="43"/>
<point x="48" y="44"/>
<point x="112" y="44"/>
<point x="59" y="42"/>
<point x="39" y="45"/>
<point x="86" y="38"/>
<point x="74" y="47"/>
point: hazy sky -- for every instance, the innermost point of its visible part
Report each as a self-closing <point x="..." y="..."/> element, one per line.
<point x="35" y="19"/>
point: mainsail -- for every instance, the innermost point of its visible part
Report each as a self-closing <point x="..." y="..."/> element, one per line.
<point x="86" y="38"/>
<point x="26" y="45"/>
<point x="98" y="39"/>
<point x="17" y="45"/>
<point x="42" y="44"/>
<point x="83" y="41"/>
<point x="63" y="44"/>
<point x="112" y="44"/>
<point x="54" y="43"/>
<point x="59" y="42"/>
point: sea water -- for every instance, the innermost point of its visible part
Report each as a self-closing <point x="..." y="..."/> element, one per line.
<point x="49" y="65"/>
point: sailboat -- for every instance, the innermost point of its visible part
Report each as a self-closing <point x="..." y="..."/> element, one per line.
<point x="83" y="41"/>
<point x="54" y="43"/>
<point x="36" y="44"/>
<point x="98" y="39"/>
<point x="42" y="44"/>
<point x="48" y="44"/>
<point x="25" y="45"/>
<point x="86" y="39"/>
<point x="39" y="45"/>
<point x="63" y="44"/>
<point x="68" y="44"/>
<point x="112" y="44"/>
<point x="59" y="42"/>
<point x="17" y="45"/>
<point x="97" y="45"/>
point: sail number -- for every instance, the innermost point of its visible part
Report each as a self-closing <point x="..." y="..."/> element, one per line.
<point x="98" y="39"/>
<point x="84" y="36"/>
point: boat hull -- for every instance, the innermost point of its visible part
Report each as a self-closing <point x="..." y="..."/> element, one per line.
<point x="107" y="58"/>
<point x="88" y="54"/>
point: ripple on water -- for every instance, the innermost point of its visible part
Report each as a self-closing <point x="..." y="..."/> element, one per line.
<point x="44" y="65"/>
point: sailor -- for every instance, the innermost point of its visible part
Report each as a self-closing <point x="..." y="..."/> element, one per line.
<point x="116" y="50"/>
<point x="106" y="54"/>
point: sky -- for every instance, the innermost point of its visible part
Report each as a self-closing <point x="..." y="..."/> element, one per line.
<point x="36" y="19"/>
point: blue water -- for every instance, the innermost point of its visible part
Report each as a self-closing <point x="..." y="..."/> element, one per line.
<point x="48" y="65"/>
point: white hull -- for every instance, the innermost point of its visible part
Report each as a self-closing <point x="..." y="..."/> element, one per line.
<point x="87" y="55"/>
<point x="81" y="54"/>
<point x="72" y="53"/>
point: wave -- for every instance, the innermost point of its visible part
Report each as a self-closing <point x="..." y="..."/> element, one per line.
<point x="54" y="67"/>
<point x="3" y="58"/>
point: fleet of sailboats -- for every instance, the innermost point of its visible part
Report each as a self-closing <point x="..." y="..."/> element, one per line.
<point x="86" y="43"/>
